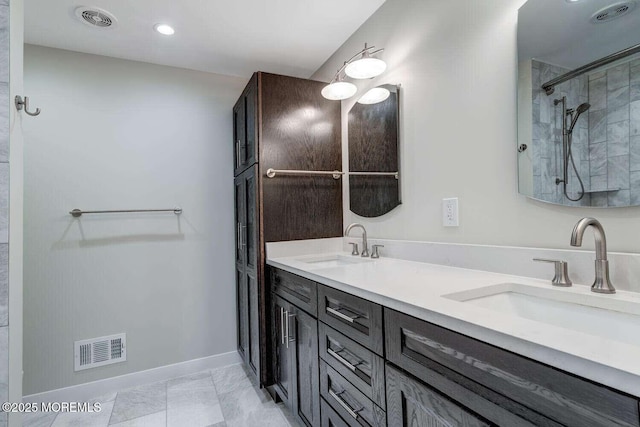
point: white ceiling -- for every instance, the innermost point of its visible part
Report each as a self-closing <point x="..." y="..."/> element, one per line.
<point x="232" y="37"/>
<point x="560" y="33"/>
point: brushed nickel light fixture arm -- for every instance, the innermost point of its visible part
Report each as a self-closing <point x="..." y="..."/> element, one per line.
<point x="368" y="49"/>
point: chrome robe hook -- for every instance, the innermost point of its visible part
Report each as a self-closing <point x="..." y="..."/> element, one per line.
<point x="24" y="104"/>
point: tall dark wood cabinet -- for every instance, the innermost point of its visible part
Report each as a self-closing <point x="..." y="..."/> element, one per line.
<point x="282" y="123"/>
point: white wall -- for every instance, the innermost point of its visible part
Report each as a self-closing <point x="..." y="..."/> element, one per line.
<point x="121" y="134"/>
<point x="457" y="63"/>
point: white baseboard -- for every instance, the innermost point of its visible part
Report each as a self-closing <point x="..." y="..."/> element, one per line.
<point x="91" y="390"/>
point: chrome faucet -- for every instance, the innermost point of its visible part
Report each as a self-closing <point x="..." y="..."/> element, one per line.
<point x="602" y="283"/>
<point x="365" y="248"/>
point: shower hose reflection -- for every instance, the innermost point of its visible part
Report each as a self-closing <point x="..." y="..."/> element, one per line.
<point x="572" y="116"/>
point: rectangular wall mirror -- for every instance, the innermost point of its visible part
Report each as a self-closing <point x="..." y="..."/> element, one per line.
<point x="374" y="178"/>
<point x="579" y="102"/>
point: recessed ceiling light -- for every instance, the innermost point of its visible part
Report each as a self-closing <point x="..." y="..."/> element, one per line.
<point x="164" y="29"/>
<point x="572" y="1"/>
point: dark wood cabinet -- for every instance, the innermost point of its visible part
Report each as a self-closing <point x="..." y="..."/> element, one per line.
<point x="243" y="313"/>
<point x="282" y="372"/>
<point x="412" y="403"/>
<point x="359" y="365"/>
<point x="303" y="293"/>
<point x="295" y="362"/>
<point x="279" y="122"/>
<point x="410" y="372"/>
<point x="304" y="337"/>
<point x="245" y="129"/>
<point x="329" y="417"/>
<point x="247" y="271"/>
<point x="359" y="319"/>
<point x="354" y="407"/>
<point x="503" y="387"/>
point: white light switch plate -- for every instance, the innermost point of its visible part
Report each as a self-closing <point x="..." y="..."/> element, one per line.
<point x="450" y="212"/>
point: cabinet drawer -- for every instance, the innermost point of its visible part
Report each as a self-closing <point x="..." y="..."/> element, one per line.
<point x="359" y="319"/>
<point x="354" y="407"/>
<point x="297" y="290"/>
<point x="359" y="365"/>
<point x="517" y="383"/>
<point x="413" y="403"/>
<point x="329" y="417"/>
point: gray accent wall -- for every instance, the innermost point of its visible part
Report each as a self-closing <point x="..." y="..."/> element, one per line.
<point x="4" y="205"/>
<point x="118" y="134"/>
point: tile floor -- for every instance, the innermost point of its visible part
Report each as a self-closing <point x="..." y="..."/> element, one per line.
<point x="217" y="398"/>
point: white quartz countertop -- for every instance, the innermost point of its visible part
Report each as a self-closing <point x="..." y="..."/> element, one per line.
<point x="417" y="289"/>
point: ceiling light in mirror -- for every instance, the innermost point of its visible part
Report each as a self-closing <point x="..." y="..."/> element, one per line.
<point x="375" y="95"/>
<point x="337" y="91"/>
<point x="164" y="29"/>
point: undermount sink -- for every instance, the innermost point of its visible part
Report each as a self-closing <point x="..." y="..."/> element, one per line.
<point x="330" y="261"/>
<point x="615" y="318"/>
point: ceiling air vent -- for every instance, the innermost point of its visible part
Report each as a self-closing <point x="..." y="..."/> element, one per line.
<point x="613" y="11"/>
<point x="99" y="351"/>
<point x="95" y="17"/>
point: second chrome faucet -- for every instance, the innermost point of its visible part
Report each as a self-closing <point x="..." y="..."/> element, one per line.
<point x="365" y="247"/>
<point x="602" y="283"/>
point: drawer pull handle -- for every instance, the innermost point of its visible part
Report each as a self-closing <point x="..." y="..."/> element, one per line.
<point x="286" y="327"/>
<point x="282" y="333"/>
<point x="336" y="396"/>
<point x="342" y="360"/>
<point x="336" y="313"/>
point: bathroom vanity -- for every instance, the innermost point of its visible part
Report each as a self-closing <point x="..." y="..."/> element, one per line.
<point x="361" y="342"/>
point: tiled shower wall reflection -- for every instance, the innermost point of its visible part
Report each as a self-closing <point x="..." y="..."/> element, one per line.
<point x="547" y="136"/>
<point x="606" y="142"/>
<point x="614" y="134"/>
<point x="4" y="204"/>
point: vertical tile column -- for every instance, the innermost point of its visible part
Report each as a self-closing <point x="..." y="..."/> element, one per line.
<point x="618" y="135"/>
<point x="634" y="130"/>
<point x="614" y="134"/>
<point x="5" y="103"/>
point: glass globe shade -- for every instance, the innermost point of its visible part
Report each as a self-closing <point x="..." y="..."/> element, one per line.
<point x="365" y="68"/>
<point x="339" y="90"/>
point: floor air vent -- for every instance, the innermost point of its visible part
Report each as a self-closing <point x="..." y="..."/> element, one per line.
<point x="99" y="351"/>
